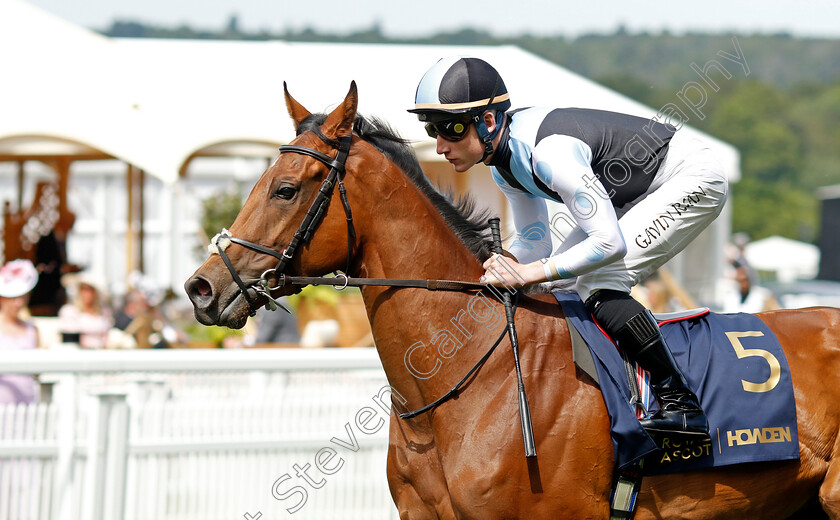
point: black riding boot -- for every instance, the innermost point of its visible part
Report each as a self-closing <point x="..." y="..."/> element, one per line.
<point x="679" y="410"/>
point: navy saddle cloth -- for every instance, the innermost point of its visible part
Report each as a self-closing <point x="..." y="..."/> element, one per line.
<point x="735" y="365"/>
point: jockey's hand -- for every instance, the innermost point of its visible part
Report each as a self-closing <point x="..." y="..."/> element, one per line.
<point x="502" y="271"/>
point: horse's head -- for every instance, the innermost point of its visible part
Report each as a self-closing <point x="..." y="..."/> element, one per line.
<point x="267" y="234"/>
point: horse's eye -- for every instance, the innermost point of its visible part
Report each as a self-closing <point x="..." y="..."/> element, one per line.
<point x="285" y="192"/>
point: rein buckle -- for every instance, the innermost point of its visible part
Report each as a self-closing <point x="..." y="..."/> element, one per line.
<point x="272" y="304"/>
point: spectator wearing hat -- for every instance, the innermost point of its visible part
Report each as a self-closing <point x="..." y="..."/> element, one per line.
<point x="17" y="279"/>
<point x="86" y="316"/>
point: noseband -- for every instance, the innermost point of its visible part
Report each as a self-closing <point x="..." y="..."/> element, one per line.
<point x="304" y="232"/>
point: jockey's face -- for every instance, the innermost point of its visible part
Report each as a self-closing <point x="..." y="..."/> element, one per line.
<point x="465" y="152"/>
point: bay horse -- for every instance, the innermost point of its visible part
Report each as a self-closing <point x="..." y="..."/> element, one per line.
<point x="464" y="459"/>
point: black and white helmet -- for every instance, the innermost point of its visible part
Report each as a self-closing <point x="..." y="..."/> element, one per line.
<point x="459" y="85"/>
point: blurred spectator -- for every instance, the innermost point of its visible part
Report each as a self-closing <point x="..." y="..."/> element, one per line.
<point x="736" y="254"/>
<point x="145" y="316"/>
<point x="277" y="327"/>
<point x="747" y="296"/>
<point x="86" y="315"/>
<point x="51" y="262"/>
<point x="135" y="317"/>
<point x="49" y="295"/>
<point x="739" y="247"/>
<point x="143" y="321"/>
<point x="653" y="294"/>
<point x="17" y="278"/>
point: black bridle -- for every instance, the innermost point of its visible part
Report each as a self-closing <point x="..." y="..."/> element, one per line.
<point x="304" y="233"/>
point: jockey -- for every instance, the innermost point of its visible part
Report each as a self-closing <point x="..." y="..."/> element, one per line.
<point x="638" y="192"/>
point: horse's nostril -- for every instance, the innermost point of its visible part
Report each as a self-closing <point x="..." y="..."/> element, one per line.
<point x="203" y="288"/>
<point x="199" y="290"/>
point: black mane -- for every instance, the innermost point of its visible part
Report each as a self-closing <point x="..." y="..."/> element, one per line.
<point x="468" y="222"/>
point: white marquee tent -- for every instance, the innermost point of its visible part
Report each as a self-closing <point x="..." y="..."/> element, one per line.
<point x="785" y="259"/>
<point x="61" y="91"/>
<point x="156" y="104"/>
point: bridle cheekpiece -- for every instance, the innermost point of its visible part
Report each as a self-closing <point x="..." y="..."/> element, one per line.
<point x="304" y="233"/>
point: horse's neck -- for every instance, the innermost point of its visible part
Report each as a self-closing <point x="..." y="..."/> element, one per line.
<point x="405" y="237"/>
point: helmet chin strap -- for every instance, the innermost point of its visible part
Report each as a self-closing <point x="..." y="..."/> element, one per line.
<point x="485" y="135"/>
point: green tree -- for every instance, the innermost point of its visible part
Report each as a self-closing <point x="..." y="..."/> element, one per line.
<point x="770" y="199"/>
<point x="219" y="211"/>
<point x="816" y="113"/>
<point x="754" y="118"/>
<point x="631" y="86"/>
<point x="764" y="209"/>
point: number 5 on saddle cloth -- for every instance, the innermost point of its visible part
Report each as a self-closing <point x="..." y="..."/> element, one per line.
<point x="737" y="368"/>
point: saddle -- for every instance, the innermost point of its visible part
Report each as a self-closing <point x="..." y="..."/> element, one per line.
<point x="583" y="356"/>
<point x="735" y="365"/>
<point x="732" y="362"/>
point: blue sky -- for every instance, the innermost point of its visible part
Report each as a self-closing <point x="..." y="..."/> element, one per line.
<point x="501" y="17"/>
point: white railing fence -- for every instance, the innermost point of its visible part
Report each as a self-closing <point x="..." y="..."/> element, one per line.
<point x="194" y="434"/>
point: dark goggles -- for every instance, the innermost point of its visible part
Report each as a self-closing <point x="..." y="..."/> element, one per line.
<point x="452" y="130"/>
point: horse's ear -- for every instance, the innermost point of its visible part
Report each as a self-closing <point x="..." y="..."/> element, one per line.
<point x="296" y="110"/>
<point x="340" y="121"/>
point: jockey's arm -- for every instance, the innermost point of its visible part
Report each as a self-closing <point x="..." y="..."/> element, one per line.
<point x="532" y="240"/>
<point x="563" y="164"/>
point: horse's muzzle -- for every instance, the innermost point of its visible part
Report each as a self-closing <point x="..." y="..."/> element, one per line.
<point x="218" y="304"/>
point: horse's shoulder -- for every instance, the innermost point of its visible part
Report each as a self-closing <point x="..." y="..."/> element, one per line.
<point x="540" y="316"/>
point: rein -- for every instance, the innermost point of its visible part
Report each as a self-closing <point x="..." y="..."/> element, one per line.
<point x="455" y="389"/>
<point x="430" y="285"/>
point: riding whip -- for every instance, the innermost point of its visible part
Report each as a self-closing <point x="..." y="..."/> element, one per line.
<point x="524" y="409"/>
